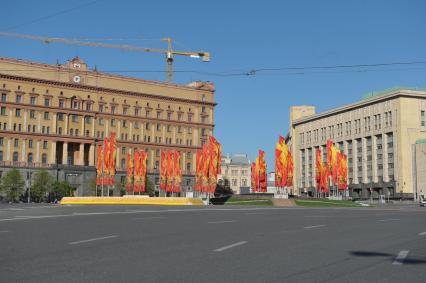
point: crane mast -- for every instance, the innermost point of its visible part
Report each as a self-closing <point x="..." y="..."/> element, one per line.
<point x="169" y="52"/>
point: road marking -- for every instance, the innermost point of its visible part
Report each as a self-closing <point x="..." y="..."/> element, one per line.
<point x="230" y="246"/>
<point x="390" y="219"/>
<point x="400" y="258"/>
<point x="4" y="231"/>
<point x="93" y="239"/>
<point x="224" y="221"/>
<point x="143" y="218"/>
<point x="15" y="209"/>
<point x="315" y="226"/>
<point x="422" y="234"/>
<point x="256" y="213"/>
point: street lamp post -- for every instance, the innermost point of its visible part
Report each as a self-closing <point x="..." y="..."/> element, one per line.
<point x="29" y="187"/>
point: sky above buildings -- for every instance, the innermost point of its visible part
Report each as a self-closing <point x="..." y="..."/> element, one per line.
<point x="281" y="40"/>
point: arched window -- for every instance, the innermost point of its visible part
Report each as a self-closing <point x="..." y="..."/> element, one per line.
<point x="15" y="156"/>
<point x="44" y="158"/>
<point x="30" y="158"/>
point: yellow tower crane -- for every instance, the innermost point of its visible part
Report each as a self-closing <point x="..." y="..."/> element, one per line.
<point x="205" y="56"/>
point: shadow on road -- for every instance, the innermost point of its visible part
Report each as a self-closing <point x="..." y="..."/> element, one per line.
<point x="388" y="256"/>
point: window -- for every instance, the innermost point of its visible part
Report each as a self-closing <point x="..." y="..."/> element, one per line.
<point x="147" y="113"/>
<point x="44" y="144"/>
<point x="18" y="112"/>
<point x="158" y="127"/>
<point x="124" y="124"/>
<point x="123" y="163"/>
<point x="101" y="108"/>
<point x="158" y="115"/>
<point x="71" y="132"/>
<point x="30" y="143"/>
<point x="74" y="118"/>
<point x="75" y="104"/>
<point x="16" y="143"/>
<point x="3" y="111"/>
<point x="125" y="111"/>
<point x="136" y="112"/>
<point x="179" y="129"/>
<point x="136" y="125"/>
<point x="188" y="167"/>
<point x="88" y="119"/>
<point x="30" y="158"/>
<point x="112" y="109"/>
<point x="60" y="116"/>
<point x="1" y="155"/>
<point x="18" y="98"/>
<point x="169" y="116"/>
<point x="32" y="114"/>
<point x="32" y="100"/>
<point x="61" y="103"/>
<point x="422" y="118"/>
<point x="147" y="126"/>
<point x="113" y="122"/>
<point x="46" y="115"/>
<point x="15" y="156"/>
<point x="46" y="102"/>
<point x="44" y="158"/>
<point x="123" y="150"/>
<point x="100" y="121"/>
<point x="1" y="140"/>
<point x="89" y="107"/>
<point x="76" y="132"/>
<point x="3" y="97"/>
<point x="60" y="130"/>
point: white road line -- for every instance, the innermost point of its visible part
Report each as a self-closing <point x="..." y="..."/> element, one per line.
<point x="4" y="231"/>
<point x="15" y="209"/>
<point x="400" y="258"/>
<point x="230" y="246"/>
<point x="143" y="218"/>
<point x="224" y="221"/>
<point x="93" y="239"/>
<point x="422" y="234"/>
<point x="315" y="226"/>
<point x="256" y="213"/>
<point x="390" y="219"/>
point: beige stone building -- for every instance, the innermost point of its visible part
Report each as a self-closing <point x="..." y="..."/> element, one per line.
<point x="236" y="169"/>
<point x="53" y="116"/>
<point x="380" y="134"/>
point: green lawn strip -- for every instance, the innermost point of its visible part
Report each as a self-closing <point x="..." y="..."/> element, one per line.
<point x="249" y="202"/>
<point x="327" y="203"/>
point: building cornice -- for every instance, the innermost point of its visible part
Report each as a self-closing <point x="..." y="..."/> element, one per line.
<point x="360" y="104"/>
<point x="103" y="89"/>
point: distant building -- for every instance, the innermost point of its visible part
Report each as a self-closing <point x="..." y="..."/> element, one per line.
<point x="383" y="136"/>
<point x="236" y="169"/>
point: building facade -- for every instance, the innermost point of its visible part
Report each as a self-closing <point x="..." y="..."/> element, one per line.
<point x="236" y="169"/>
<point x="379" y="136"/>
<point x="54" y="116"/>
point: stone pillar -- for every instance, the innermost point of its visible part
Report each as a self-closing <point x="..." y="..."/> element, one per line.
<point x="83" y="128"/>
<point x="25" y="120"/>
<point x="54" y="122"/>
<point x="65" y="154"/>
<point x="81" y="154"/>
<point x="314" y="167"/>
<point x="151" y="158"/>
<point x="163" y="134"/>
<point x="364" y="160"/>
<point x="37" y="156"/>
<point x="131" y="131"/>
<point x="196" y="139"/>
<point x="23" y="151"/>
<point x="9" y="141"/>
<point x="106" y="127"/>
<point x="93" y="127"/>
<point x="183" y="158"/>
<point x="117" y="157"/>
<point x="66" y="124"/>
<point x="10" y="119"/>
<point x="92" y="155"/>
<point x="385" y="158"/>
<point x="53" y="153"/>
<point x="374" y="158"/>
<point x="306" y="168"/>
<point x="39" y="123"/>
<point x="355" y="161"/>
<point x="118" y="129"/>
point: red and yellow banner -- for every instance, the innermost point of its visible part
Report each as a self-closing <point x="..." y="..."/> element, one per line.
<point x="170" y="171"/>
<point x="208" y="162"/>
<point x="259" y="173"/>
<point x="129" y="179"/>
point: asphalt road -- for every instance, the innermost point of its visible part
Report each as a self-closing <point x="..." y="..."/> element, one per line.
<point x="43" y="243"/>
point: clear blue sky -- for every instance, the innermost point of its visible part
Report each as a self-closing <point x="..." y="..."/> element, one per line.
<point x="241" y="35"/>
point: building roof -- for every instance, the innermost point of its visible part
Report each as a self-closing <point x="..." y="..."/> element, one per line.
<point x="370" y="98"/>
<point x="237" y="159"/>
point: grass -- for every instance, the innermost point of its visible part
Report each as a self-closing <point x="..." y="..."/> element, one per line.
<point x="263" y="202"/>
<point x="327" y="203"/>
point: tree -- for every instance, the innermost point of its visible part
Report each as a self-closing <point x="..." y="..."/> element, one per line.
<point x="41" y="184"/>
<point x="62" y="189"/>
<point x="120" y="187"/>
<point x="13" y="185"/>
<point x="150" y="189"/>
